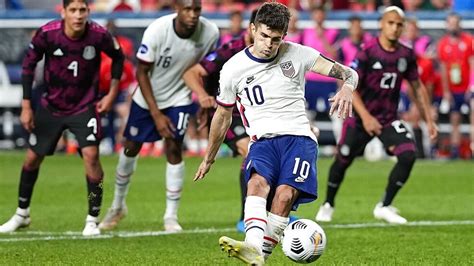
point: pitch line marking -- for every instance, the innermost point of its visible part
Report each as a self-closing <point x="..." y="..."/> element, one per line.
<point x="70" y="235"/>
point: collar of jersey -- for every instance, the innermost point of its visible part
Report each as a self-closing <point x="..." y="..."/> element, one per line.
<point x="259" y="60"/>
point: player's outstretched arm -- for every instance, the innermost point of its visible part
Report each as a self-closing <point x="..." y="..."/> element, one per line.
<point x="422" y="103"/>
<point x="193" y="77"/>
<point x="343" y="98"/>
<point x="219" y="126"/>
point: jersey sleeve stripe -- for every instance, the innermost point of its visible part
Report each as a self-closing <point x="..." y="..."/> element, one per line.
<point x="225" y="104"/>
<point x="145" y="62"/>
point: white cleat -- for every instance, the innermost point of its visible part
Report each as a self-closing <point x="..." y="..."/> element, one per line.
<point x="113" y="217"/>
<point x="388" y="214"/>
<point x="171" y="225"/>
<point x="20" y="219"/>
<point x="325" y="213"/>
<point x="242" y="251"/>
<point x="91" y="228"/>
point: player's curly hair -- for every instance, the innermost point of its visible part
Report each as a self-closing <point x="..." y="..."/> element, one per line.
<point x="67" y="2"/>
<point x="274" y="15"/>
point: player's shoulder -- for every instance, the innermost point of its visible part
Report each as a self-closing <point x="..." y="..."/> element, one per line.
<point x="406" y="50"/>
<point x="209" y="25"/>
<point x="53" y="25"/>
<point x="291" y="49"/>
<point x="237" y="45"/>
<point x="236" y="62"/>
<point x="370" y="45"/>
<point x="96" y="28"/>
<point x="159" y="23"/>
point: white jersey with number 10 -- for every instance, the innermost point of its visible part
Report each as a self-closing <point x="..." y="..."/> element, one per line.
<point x="269" y="93"/>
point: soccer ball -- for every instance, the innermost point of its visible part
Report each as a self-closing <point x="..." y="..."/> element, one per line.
<point x="303" y="241"/>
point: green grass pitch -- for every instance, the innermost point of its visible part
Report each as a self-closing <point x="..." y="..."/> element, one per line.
<point x="439" y="195"/>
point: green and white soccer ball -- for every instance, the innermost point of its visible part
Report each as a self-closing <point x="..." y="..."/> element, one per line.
<point x="303" y="241"/>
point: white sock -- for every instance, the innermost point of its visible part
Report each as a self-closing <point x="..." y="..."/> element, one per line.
<point x="125" y="168"/>
<point x="275" y="226"/>
<point x="255" y="219"/>
<point x="174" y="186"/>
<point x="92" y="219"/>
<point x="23" y="212"/>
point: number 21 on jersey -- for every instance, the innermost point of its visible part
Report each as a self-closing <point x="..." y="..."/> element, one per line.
<point x="388" y="80"/>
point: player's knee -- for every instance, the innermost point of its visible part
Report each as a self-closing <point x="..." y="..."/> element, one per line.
<point x="285" y="197"/>
<point x="131" y="148"/>
<point x="32" y="160"/>
<point x="407" y="158"/>
<point x="258" y="186"/>
<point x="90" y="157"/>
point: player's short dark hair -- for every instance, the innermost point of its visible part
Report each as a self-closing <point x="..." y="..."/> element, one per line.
<point x="67" y="2"/>
<point x="454" y="14"/>
<point x="355" y="18"/>
<point x="253" y="15"/>
<point x="235" y="13"/>
<point x="274" y="15"/>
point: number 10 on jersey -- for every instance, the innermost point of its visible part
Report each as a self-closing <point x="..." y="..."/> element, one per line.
<point x="256" y="93"/>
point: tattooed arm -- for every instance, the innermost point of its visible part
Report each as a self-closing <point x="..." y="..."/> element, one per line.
<point x="343" y="98"/>
<point x="331" y="68"/>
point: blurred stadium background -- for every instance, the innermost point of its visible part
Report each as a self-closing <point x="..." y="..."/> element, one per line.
<point x="19" y="18"/>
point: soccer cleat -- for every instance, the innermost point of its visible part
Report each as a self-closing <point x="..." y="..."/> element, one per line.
<point x="113" y="217"/>
<point x="241" y="250"/>
<point x="171" y="225"/>
<point x="91" y="228"/>
<point x="388" y="214"/>
<point x="325" y="213"/>
<point x="20" y="219"/>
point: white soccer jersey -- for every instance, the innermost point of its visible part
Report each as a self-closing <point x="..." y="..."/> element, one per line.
<point x="269" y="93"/>
<point x="171" y="57"/>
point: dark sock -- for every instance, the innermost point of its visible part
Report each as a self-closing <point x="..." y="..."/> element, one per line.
<point x="27" y="182"/>
<point x="420" y="151"/>
<point x="243" y="190"/>
<point x="94" y="195"/>
<point x="398" y="176"/>
<point x="336" y="176"/>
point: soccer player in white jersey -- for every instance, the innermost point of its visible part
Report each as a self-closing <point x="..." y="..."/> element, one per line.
<point x="161" y="107"/>
<point x="266" y="81"/>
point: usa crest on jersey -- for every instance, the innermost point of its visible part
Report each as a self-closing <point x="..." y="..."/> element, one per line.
<point x="288" y="69"/>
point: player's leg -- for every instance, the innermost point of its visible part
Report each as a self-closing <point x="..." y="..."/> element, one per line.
<point x="297" y="184"/>
<point x="262" y="166"/>
<point x="351" y="144"/>
<point x="250" y="250"/>
<point x="87" y="129"/>
<point x="28" y="177"/>
<point x="175" y="166"/>
<point x="399" y="142"/>
<point x="278" y="217"/>
<point x="455" y="121"/>
<point x="94" y="178"/>
<point x="42" y="141"/>
<point x="140" y="128"/>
